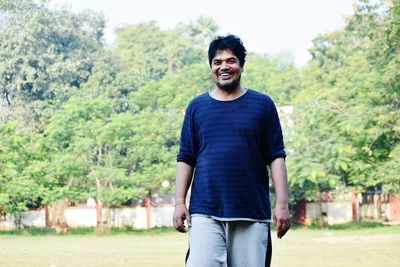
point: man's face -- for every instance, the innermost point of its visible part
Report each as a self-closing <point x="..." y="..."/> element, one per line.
<point x="226" y="70"/>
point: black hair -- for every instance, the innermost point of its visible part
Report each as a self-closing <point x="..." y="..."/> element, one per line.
<point x="231" y="42"/>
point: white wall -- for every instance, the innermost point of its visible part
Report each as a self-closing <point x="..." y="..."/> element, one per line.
<point x="8" y="223"/>
<point x="33" y="218"/>
<point x="313" y="211"/>
<point x="162" y="216"/>
<point x="135" y="217"/>
<point x="339" y="213"/>
<point x="335" y="212"/>
<point x="77" y="217"/>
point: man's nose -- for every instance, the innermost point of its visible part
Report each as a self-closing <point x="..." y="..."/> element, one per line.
<point x="224" y="65"/>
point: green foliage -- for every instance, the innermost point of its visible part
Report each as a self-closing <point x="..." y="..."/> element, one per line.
<point x="19" y="188"/>
<point x="79" y="120"/>
<point x="273" y="76"/>
<point x="346" y="116"/>
<point x="88" y="157"/>
<point x="150" y="52"/>
<point x="201" y="31"/>
<point x="44" y="56"/>
<point x="173" y="92"/>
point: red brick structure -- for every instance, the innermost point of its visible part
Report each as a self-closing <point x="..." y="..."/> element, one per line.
<point x="147" y="204"/>
<point x="301" y="212"/>
<point x="395" y="207"/>
<point x="354" y="205"/>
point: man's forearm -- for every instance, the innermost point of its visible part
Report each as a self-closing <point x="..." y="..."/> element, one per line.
<point x="184" y="173"/>
<point x="281" y="212"/>
<point x="279" y="177"/>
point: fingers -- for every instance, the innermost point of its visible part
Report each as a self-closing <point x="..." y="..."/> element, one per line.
<point x="278" y="225"/>
<point x="180" y="215"/>
<point x="181" y="228"/>
<point x="179" y="225"/>
<point x="282" y="227"/>
<point x="188" y="219"/>
<point x="281" y="220"/>
<point x="281" y="233"/>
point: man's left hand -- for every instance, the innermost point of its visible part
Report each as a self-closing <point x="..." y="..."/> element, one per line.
<point x="281" y="220"/>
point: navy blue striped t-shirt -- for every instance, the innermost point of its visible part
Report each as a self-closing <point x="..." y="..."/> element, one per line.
<point x="230" y="143"/>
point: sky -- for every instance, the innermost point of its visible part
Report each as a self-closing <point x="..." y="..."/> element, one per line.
<point x="284" y="27"/>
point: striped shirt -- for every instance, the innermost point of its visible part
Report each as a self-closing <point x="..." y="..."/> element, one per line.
<point x="230" y="144"/>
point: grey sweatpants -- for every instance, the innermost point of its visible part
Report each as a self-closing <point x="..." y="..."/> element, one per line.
<point x="214" y="243"/>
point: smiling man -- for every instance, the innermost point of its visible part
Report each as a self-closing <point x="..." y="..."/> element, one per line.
<point x="229" y="137"/>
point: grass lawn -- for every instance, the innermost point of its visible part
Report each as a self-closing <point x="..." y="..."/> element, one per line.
<point x="301" y="247"/>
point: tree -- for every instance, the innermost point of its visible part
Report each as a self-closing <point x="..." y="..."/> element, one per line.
<point x="173" y="92"/>
<point x="150" y="52"/>
<point x="44" y="57"/>
<point x="87" y="146"/>
<point x="383" y="35"/>
<point x="201" y="30"/>
<point x="345" y="116"/>
<point x="273" y="76"/>
<point x="21" y="181"/>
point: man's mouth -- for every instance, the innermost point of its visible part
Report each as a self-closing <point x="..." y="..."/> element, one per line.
<point x="225" y="75"/>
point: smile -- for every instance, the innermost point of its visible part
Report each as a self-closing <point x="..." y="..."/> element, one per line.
<point x="225" y="75"/>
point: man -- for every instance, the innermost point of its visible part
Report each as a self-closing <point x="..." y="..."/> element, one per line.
<point x="229" y="136"/>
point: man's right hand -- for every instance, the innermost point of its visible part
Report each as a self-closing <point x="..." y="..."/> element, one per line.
<point x="181" y="214"/>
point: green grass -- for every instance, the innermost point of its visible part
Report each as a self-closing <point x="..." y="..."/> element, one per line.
<point x="345" y="226"/>
<point x="158" y="230"/>
<point x="374" y="246"/>
<point x="89" y="231"/>
<point x="378" y="246"/>
<point x="356" y="226"/>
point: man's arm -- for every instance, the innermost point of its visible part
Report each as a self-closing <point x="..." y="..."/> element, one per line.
<point x="184" y="173"/>
<point x="281" y="213"/>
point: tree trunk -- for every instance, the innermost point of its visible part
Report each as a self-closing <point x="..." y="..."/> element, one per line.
<point x="99" y="215"/>
<point x="57" y="219"/>
<point x="99" y="206"/>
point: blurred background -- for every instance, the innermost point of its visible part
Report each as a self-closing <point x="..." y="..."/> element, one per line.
<point x="93" y="95"/>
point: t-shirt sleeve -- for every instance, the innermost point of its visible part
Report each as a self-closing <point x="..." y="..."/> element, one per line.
<point x="273" y="138"/>
<point x="187" y="145"/>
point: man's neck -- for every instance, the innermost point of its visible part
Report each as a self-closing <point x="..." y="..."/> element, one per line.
<point x="223" y="95"/>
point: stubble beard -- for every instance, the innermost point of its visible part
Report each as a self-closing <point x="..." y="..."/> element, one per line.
<point x="229" y="87"/>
